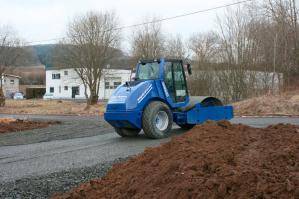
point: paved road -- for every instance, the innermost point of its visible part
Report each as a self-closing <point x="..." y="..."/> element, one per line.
<point x="59" y="154"/>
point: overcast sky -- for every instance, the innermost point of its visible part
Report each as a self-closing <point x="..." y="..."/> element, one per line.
<point x="45" y="19"/>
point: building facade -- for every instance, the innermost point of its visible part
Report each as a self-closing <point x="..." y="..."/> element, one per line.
<point x="10" y="84"/>
<point x="66" y="83"/>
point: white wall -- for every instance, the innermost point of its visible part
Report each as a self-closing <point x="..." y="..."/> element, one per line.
<point x="111" y="76"/>
<point x="73" y="80"/>
<point x="8" y="86"/>
<point x="69" y="80"/>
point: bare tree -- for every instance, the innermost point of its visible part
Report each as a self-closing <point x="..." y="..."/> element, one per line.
<point x="255" y="44"/>
<point x="283" y="17"/>
<point x="91" y="44"/>
<point x="204" y="47"/>
<point x="147" y="41"/>
<point x="175" y="48"/>
<point x="10" y="53"/>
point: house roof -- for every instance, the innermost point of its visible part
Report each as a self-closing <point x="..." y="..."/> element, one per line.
<point x="116" y="67"/>
<point x="33" y="86"/>
<point x="9" y="75"/>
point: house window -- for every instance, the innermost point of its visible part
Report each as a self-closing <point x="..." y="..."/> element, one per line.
<point x="59" y="89"/>
<point x="66" y="72"/>
<point x="66" y="88"/>
<point x="12" y="81"/>
<point x="116" y="84"/>
<point x="51" y="89"/>
<point x="56" y="76"/>
<point x="107" y="85"/>
<point x="75" y="91"/>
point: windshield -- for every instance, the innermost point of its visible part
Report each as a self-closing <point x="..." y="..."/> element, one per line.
<point x="148" y="71"/>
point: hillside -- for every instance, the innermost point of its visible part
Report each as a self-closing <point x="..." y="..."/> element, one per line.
<point x="44" y="55"/>
<point x="286" y="103"/>
<point x="38" y="55"/>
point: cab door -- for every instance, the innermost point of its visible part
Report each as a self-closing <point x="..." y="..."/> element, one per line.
<point x="175" y="81"/>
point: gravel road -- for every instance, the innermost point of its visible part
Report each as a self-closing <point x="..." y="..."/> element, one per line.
<point x="70" y="127"/>
<point x="38" y="163"/>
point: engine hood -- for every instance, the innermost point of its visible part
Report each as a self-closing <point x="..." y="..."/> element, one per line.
<point x="127" y="97"/>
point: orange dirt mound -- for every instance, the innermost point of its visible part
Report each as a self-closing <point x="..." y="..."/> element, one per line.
<point x="218" y="160"/>
<point x="7" y="120"/>
<point x="282" y="104"/>
<point x="8" y="125"/>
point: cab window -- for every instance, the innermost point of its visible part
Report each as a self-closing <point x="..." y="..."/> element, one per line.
<point x="175" y="81"/>
<point x="148" y="71"/>
<point x="168" y="80"/>
<point x="180" y="82"/>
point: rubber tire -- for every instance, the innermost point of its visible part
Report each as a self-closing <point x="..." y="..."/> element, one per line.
<point x="126" y="132"/>
<point x="186" y="126"/>
<point x="148" y="120"/>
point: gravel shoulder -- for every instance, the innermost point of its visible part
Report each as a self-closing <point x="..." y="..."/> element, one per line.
<point x="21" y="161"/>
<point x="59" y="182"/>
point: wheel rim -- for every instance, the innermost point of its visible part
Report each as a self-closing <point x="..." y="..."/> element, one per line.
<point x="161" y="120"/>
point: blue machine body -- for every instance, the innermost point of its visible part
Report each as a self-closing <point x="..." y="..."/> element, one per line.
<point x="126" y="105"/>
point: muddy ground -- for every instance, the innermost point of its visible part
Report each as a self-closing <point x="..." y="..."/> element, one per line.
<point x="8" y="125"/>
<point x="215" y="160"/>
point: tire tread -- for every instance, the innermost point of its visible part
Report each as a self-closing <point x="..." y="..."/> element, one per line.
<point x="148" y="127"/>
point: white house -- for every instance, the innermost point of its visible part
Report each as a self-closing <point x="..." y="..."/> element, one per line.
<point x="10" y="84"/>
<point x="66" y="83"/>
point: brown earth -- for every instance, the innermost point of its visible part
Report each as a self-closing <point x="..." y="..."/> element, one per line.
<point x="51" y="107"/>
<point x="215" y="160"/>
<point x="8" y="125"/>
<point x="285" y="103"/>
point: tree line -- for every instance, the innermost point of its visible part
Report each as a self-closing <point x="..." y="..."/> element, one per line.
<point x="253" y="50"/>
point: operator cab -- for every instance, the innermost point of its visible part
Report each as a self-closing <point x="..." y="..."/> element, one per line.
<point x="171" y="71"/>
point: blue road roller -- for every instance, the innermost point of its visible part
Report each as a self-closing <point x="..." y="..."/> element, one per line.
<point x="156" y="98"/>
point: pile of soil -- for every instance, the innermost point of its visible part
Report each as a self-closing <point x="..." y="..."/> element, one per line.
<point x="7" y="120"/>
<point x="215" y="160"/>
<point x="8" y="125"/>
<point x="286" y="103"/>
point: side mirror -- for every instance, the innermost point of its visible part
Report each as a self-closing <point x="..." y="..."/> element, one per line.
<point x="189" y="69"/>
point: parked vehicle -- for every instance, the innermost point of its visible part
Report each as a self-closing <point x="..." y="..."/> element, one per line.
<point x="157" y="98"/>
<point x="18" y="96"/>
<point x="48" y="96"/>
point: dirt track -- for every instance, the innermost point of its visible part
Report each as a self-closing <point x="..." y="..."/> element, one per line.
<point x="210" y="161"/>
